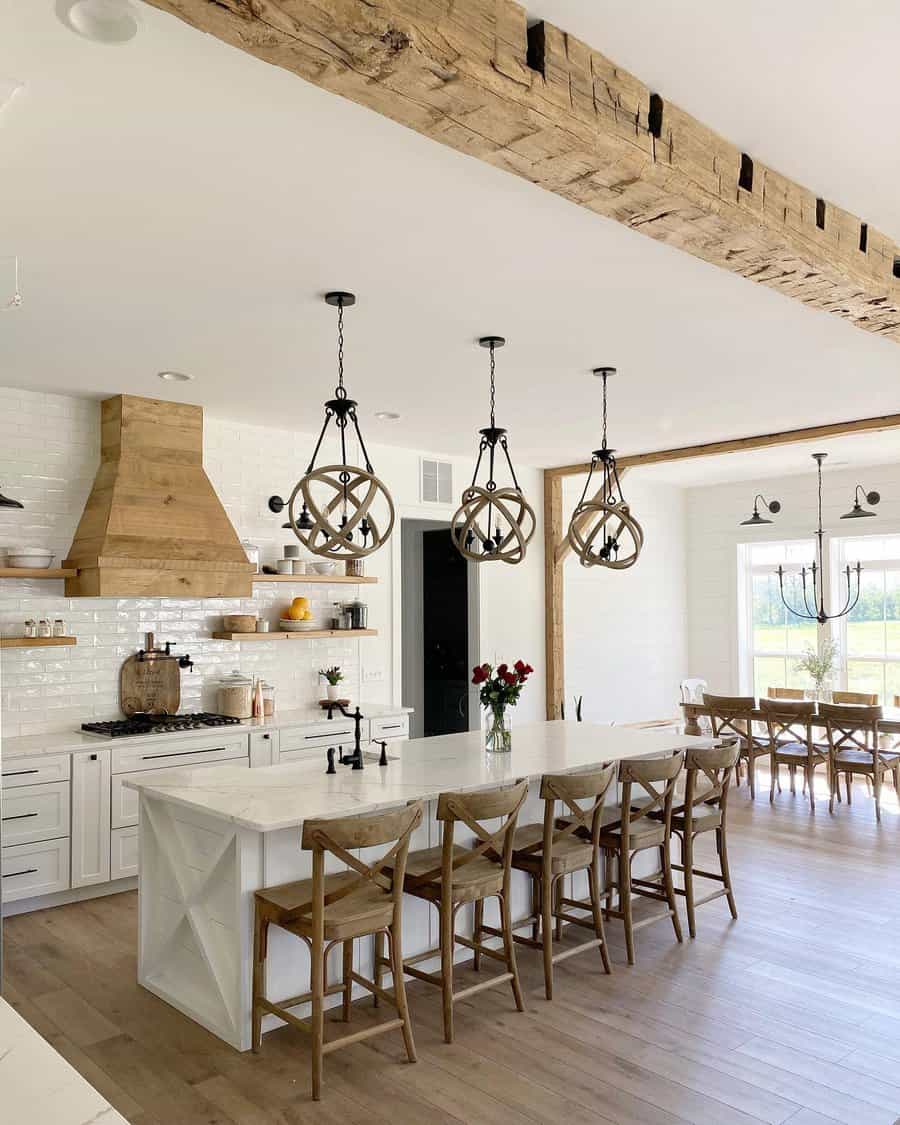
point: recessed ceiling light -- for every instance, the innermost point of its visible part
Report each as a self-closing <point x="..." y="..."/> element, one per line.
<point x="387" y="415"/>
<point x="174" y="376"/>
<point x="102" y="21"/>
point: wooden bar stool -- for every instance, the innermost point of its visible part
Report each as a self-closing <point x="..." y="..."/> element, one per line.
<point x="636" y="832"/>
<point x="451" y="875"/>
<point x="707" y="781"/>
<point x="330" y="910"/>
<point x="732" y="716"/>
<point x="791" y="743"/>
<point x="559" y="847"/>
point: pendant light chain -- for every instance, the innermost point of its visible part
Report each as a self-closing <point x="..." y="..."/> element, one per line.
<point x="339" y="391"/>
<point x="605" y="377"/>
<point x="493" y="388"/>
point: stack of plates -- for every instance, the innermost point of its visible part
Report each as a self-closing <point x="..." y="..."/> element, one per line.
<point x="288" y="626"/>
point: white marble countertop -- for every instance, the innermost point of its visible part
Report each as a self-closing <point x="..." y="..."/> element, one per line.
<point x="67" y="742"/>
<point x="37" y="1085"/>
<point x="275" y="797"/>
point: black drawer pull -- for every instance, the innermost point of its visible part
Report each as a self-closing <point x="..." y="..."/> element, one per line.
<point x="395" y="726"/>
<point x="13" y="874"/>
<point x="182" y="753"/>
<point x="19" y="773"/>
<point x="330" y="734"/>
<point x="21" y="816"/>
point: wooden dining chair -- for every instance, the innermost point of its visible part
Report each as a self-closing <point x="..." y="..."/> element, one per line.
<point x="785" y="693"/>
<point x="791" y="743"/>
<point x="856" y="698"/>
<point x="451" y="875"/>
<point x="548" y="852"/>
<point x="330" y="910"/>
<point x="637" y="831"/>
<point x="704" y="809"/>
<point x="854" y="748"/>
<point x="732" y="716"/>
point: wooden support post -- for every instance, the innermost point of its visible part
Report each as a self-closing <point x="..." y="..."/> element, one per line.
<point x="554" y="531"/>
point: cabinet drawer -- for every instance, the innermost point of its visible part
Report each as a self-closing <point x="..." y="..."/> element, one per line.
<point x="36" y="812"/>
<point x="125" y="803"/>
<point x="178" y="752"/>
<point x="391" y="726"/>
<point x="34" y="771"/>
<point x="30" y="870"/>
<point x="263" y="748"/>
<point x="124" y="854"/>
<point x="338" y="732"/>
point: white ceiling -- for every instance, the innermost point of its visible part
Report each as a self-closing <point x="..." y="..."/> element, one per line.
<point x="177" y="204"/>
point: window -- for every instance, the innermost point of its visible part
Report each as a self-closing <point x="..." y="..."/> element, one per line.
<point x="773" y="638"/>
<point x="869" y="635"/>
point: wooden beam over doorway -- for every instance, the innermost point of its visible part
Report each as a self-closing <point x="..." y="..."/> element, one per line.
<point x="556" y="544"/>
<point x="539" y="103"/>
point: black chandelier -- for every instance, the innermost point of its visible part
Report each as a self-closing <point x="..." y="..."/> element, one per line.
<point x="491" y="523"/>
<point x="816" y="611"/>
<point x="347" y="513"/>
<point x="602" y="530"/>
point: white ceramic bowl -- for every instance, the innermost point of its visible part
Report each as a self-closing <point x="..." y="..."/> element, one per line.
<point x="288" y="626"/>
<point x="323" y="567"/>
<point x="35" y="557"/>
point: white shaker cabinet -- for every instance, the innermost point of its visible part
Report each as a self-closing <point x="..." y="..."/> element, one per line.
<point x="90" y="818"/>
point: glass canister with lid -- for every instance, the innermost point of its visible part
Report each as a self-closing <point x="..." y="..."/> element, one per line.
<point x="235" y="695"/>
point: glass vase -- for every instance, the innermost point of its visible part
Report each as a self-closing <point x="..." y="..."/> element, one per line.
<point x="497" y="732"/>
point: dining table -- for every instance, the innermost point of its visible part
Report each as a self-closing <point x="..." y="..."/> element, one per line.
<point x="889" y="723"/>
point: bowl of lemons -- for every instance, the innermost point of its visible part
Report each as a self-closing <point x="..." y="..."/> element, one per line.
<point x="297" y="618"/>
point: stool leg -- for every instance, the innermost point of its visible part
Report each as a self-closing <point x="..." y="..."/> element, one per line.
<point x="348" y="979"/>
<point x="687" y="849"/>
<point x="722" y="849"/>
<point x="876" y="784"/>
<point x="773" y="770"/>
<point x="669" y="885"/>
<point x="378" y="975"/>
<point x="260" y="942"/>
<point x="510" y="950"/>
<point x="625" y="901"/>
<point x="547" y="931"/>
<point x="537" y="909"/>
<point x="557" y="906"/>
<point x="811" y="786"/>
<point x="594" y="884"/>
<point x="477" y="933"/>
<point x="317" y="972"/>
<point x="400" y="993"/>
<point x="446" y="920"/>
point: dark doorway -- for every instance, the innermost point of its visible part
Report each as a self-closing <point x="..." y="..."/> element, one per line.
<point x="437" y="630"/>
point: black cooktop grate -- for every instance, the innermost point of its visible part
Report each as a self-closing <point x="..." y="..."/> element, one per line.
<point x="158" y="724"/>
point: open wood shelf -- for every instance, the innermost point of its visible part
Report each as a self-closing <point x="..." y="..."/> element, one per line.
<point x="332" y="578"/>
<point x="36" y="572"/>
<point x="36" y="642"/>
<point x="306" y="634"/>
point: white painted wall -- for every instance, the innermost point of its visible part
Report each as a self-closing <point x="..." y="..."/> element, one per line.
<point x="49" y="450"/>
<point x="626" y="631"/>
<point x="714" y="514"/>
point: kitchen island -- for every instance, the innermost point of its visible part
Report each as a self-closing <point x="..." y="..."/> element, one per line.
<point x="210" y="838"/>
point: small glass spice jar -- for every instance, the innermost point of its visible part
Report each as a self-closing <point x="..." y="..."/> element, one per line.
<point x="31" y="627"/>
<point x="59" y="627"/>
<point x="44" y="629"/>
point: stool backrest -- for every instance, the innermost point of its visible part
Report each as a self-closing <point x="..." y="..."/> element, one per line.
<point x="472" y="809"/>
<point x="583" y="821"/>
<point x="856" y="698"/>
<point x="784" y="693"/>
<point x="708" y="778"/>
<point x="339" y="836"/>
<point x="851" y="728"/>
<point x="646" y="774"/>
<point x="789" y="719"/>
<point x="731" y="715"/>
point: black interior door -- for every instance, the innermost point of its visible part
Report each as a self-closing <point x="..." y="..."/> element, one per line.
<point x="445" y="616"/>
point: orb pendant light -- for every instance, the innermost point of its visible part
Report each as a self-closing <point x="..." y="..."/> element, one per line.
<point x="493" y="524"/>
<point x="347" y="513"/>
<point x="602" y="531"/>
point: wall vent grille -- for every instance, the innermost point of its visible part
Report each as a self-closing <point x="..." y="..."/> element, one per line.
<point x="436" y="482"/>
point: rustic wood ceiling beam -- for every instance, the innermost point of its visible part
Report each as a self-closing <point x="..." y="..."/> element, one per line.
<point x="541" y="104"/>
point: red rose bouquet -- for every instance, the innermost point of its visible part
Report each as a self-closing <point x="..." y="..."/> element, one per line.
<point x="500" y="688"/>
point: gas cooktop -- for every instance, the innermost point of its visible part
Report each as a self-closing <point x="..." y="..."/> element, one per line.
<point x="157" y="724"/>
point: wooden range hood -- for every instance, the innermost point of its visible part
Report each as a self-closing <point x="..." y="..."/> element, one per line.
<point x="153" y="525"/>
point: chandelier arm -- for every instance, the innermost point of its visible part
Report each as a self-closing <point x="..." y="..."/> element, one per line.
<point x="784" y="601"/>
<point x="587" y="482"/>
<point x="817" y="608"/>
<point x="481" y="448"/>
<point x="362" y="444"/>
<point x="849" y="605"/>
<point x="312" y="461"/>
<point x="512" y="472"/>
<point x="614" y="469"/>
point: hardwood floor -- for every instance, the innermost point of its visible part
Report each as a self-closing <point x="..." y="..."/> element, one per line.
<point x="789" y="1014"/>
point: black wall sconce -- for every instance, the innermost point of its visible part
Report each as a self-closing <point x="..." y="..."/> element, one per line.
<point x="773" y="506"/>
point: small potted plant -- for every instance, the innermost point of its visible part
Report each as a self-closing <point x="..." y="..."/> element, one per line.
<point x="821" y="667"/>
<point x="333" y="676"/>
<point x="500" y="689"/>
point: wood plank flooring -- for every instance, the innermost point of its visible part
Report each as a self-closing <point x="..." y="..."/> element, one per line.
<point x="790" y="1014"/>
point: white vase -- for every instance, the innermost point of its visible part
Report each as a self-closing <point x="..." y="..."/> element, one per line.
<point x="334" y="691"/>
